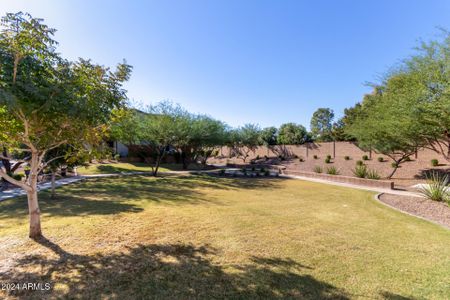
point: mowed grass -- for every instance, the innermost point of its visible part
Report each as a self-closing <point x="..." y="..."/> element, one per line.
<point x="204" y="237"/>
<point x="122" y="167"/>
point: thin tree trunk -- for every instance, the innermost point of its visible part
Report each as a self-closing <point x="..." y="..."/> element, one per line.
<point x="53" y="183"/>
<point x="397" y="164"/>
<point x="35" y="214"/>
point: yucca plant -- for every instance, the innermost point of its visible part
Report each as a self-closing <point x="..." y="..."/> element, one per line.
<point x="436" y="188"/>
<point x="332" y="171"/>
<point x="318" y="169"/>
<point x="373" y="174"/>
<point x="360" y="171"/>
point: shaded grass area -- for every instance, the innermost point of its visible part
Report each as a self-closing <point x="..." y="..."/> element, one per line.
<point x="210" y="237"/>
<point x="114" y="168"/>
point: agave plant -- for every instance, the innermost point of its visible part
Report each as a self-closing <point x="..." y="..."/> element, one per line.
<point x="360" y="171"/>
<point x="436" y="188"/>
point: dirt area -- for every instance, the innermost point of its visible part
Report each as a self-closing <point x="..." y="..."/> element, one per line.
<point x="438" y="212"/>
<point x="307" y="157"/>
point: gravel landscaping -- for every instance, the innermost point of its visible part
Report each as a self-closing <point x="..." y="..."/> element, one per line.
<point x="438" y="212"/>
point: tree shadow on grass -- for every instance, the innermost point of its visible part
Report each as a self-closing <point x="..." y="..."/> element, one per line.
<point x="113" y="195"/>
<point x="170" y="271"/>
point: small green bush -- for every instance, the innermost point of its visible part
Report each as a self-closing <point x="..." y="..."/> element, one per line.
<point x="117" y="157"/>
<point x="318" y="169"/>
<point x="365" y="157"/>
<point x="436" y="188"/>
<point x="373" y="174"/>
<point x="359" y="163"/>
<point x="328" y="160"/>
<point x="434" y="162"/>
<point x="301" y="159"/>
<point x="394" y="164"/>
<point x="380" y="159"/>
<point x="329" y="156"/>
<point x="315" y="156"/>
<point x="360" y="171"/>
<point x="333" y="171"/>
<point x="347" y="157"/>
<point x="295" y="156"/>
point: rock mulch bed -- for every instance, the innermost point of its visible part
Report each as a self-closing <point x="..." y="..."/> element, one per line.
<point x="438" y="212"/>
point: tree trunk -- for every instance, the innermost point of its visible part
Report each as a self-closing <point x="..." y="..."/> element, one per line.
<point x="35" y="214"/>
<point x="397" y="164"/>
<point x="53" y="184"/>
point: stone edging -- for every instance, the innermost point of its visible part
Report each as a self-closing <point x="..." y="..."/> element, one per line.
<point x="377" y="198"/>
<point x="383" y="184"/>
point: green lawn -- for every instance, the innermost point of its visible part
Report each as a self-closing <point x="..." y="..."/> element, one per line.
<point x="114" y="168"/>
<point x="206" y="237"/>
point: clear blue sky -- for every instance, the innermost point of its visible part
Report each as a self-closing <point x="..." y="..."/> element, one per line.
<point x="265" y="62"/>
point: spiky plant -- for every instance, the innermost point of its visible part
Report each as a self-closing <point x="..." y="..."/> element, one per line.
<point x="436" y="188"/>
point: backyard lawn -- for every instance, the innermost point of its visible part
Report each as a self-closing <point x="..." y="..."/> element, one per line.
<point x="209" y="237"/>
<point x="122" y="167"/>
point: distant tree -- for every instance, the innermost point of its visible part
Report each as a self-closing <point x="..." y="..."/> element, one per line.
<point x="321" y="124"/>
<point x="244" y="140"/>
<point x="292" y="134"/>
<point x="46" y="101"/>
<point x="204" y="134"/>
<point x="268" y="136"/>
<point x="165" y="128"/>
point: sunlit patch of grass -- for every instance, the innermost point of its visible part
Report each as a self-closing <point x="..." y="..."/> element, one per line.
<point x="221" y="237"/>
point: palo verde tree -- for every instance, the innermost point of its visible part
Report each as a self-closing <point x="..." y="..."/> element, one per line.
<point x="47" y="101"/>
<point x="202" y="136"/>
<point x="387" y="125"/>
<point x="244" y="140"/>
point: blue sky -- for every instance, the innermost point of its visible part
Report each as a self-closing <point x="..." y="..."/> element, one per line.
<point x="265" y="62"/>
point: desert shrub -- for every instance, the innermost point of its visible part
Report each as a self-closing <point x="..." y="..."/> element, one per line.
<point x="257" y="156"/>
<point x="266" y="157"/>
<point x="360" y="171"/>
<point x="333" y="171"/>
<point x="281" y="157"/>
<point x="407" y="158"/>
<point x="117" y="157"/>
<point x="373" y="174"/>
<point x="295" y="156"/>
<point x="434" y="162"/>
<point x="436" y="188"/>
<point x="380" y="159"/>
<point x="301" y="159"/>
<point x="359" y="163"/>
<point x="318" y="169"/>
<point x="347" y="157"/>
<point x="329" y="156"/>
<point x="315" y="156"/>
<point x="328" y="160"/>
<point x="365" y="157"/>
<point x="394" y="164"/>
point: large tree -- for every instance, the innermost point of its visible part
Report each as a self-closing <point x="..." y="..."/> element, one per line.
<point x="322" y="124"/>
<point x="46" y="101"/>
<point x="387" y="124"/>
<point x="292" y="134"/>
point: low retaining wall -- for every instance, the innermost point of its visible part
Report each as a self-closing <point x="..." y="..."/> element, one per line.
<point x="384" y="184"/>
